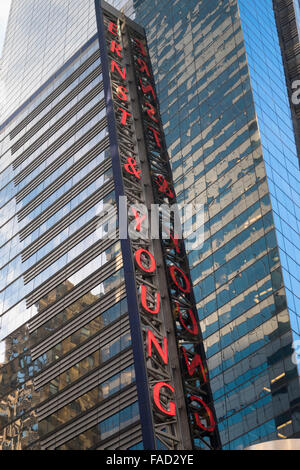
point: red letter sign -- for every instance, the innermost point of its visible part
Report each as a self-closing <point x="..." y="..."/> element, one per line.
<point x="112" y="27"/>
<point x="195" y="329"/>
<point x="122" y="93"/>
<point x="209" y="413"/>
<point x="146" y="89"/>
<point x="156" y="136"/>
<point x="143" y="67"/>
<point x="151" y="111"/>
<point x="152" y="266"/>
<point x="115" y="47"/>
<point x="141" y="47"/>
<point x="187" y="287"/>
<point x="196" y="362"/>
<point x="122" y="72"/>
<point x="144" y="300"/>
<point x="125" y="114"/>
<point x="139" y="219"/>
<point x="163" y="354"/>
<point x="130" y="167"/>
<point x="156" y="390"/>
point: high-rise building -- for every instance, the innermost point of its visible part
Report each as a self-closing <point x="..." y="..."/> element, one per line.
<point x="223" y="72"/>
<point x="225" y="108"/>
<point x="287" y="14"/>
<point x="101" y="347"/>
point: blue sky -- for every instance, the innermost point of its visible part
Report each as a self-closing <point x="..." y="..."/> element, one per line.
<point x="4" y="11"/>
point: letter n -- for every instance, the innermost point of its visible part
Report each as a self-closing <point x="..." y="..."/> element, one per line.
<point x="122" y="72"/>
<point x="163" y="353"/>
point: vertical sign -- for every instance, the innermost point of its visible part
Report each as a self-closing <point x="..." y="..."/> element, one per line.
<point x="172" y="382"/>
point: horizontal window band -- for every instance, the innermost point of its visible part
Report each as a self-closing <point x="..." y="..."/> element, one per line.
<point x="62" y="179"/>
<point x="88" y="420"/>
<point x="63" y="157"/>
<point x="242" y="269"/>
<point x="64" y="247"/>
<point x="113" y="397"/>
<point x="83" y="350"/>
<point x="57" y="108"/>
<point x="61" y="122"/>
<point x="60" y="139"/>
<point x="73" y="267"/>
<point x="115" y="295"/>
<point x="111" y="308"/>
<point x="261" y="351"/>
<point x="75" y="324"/>
<point x="82" y="386"/>
<point x="261" y="323"/>
<point x="67" y="197"/>
<point x="129" y="437"/>
<point x="102" y="338"/>
<point x="48" y="261"/>
<point x="63" y="86"/>
<point x="61" y="160"/>
<point x="254" y="236"/>
<point x="73" y="215"/>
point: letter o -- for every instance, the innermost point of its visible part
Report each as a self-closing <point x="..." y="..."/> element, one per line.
<point x="194" y="330"/>
<point x="187" y="287"/>
<point x="138" y="255"/>
<point x="209" y="412"/>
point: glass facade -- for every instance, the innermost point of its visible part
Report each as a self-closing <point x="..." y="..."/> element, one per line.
<point x="226" y="113"/>
<point x="42" y="36"/>
<point x="278" y="142"/>
<point x="287" y="16"/>
<point x="66" y="357"/>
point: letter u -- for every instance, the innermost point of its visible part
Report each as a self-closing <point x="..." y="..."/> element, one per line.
<point x="144" y="300"/>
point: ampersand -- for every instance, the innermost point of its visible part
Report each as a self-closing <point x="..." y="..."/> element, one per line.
<point x="163" y="186"/>
<point x="130" y="167"/>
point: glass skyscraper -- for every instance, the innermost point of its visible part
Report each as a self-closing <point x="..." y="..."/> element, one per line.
<point x="100" y="345"/>
<point x="65" y="126"/>
<point x="287" y="14"/>
<point x="225" y="107"/>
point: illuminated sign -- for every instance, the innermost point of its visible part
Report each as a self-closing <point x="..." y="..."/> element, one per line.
<point x="173" y="352"/>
